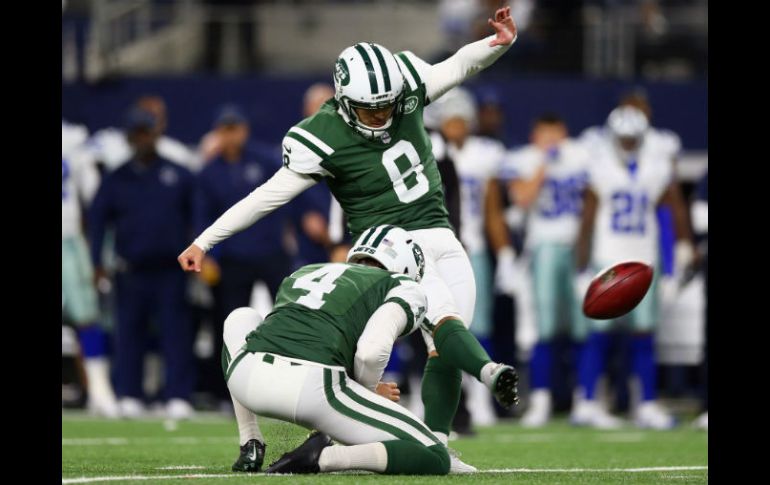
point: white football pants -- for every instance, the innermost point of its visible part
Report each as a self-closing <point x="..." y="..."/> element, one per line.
<point x="312" y="395"/>
<point x="448" y="281"/>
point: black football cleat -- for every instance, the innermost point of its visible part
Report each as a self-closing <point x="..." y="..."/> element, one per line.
<point x="251" y="457"/>
<point x="304" y="458"/>
<point x="505" y="381"/>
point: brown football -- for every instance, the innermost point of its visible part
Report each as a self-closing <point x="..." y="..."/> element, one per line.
<point x="617" y="290"/>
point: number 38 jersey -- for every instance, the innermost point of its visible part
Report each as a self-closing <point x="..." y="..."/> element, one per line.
<point x="321" y="310"/>
<point x="626" y="225"/>
<point x="555" y="217"/>
<point x="390" y="180"/>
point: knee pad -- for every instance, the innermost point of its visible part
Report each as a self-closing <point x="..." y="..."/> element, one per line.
<point x="238" y="325"/>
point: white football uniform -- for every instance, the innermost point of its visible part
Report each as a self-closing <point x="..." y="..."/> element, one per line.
<point x="80" y="180"/>
<point x="665" y="140"/>
<point x="555" y="216"/>
<point x="626" y="224"/>
<point x="476" y="162"/>
<point x="552" y="225"/>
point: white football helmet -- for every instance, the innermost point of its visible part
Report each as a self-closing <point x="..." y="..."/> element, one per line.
<point x="456" y="103"/>
<point x="393" y="248"/>
<point x="627" y="122"/>
<point x="367" y="76"/>
<point x="628" y="125"/>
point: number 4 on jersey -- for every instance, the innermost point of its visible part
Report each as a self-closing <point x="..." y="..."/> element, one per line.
<point x="319" y="283"/>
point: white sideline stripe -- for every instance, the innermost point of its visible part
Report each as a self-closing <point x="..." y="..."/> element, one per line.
<point x="201" y="417"/>
<point x="611" y="437"/>
<point x="179" y="440"/>
<point x="525" y="438"/>
<point x="93" y="441"/>
<point x="621" y="437"/>
<point x="501" y="470"/>
<point x="596" y="470"/>
<point x="148" y="477"/>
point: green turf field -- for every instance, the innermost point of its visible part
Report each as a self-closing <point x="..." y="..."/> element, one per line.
<point x="201" y="452"/>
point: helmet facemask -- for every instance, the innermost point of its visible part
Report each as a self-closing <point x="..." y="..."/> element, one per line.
<point x="628" y="126"/>
<point x="371" y="132"/>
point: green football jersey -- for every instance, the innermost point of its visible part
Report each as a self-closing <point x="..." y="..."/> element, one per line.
<point x="391" y="180"/>
<point x="321" y="310"/>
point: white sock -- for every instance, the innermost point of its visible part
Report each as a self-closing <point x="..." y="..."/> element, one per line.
<point x="442" y="437"/>
<point x="98" y="374"/>
<point x="248" y="429"/>
<point x="479" y="401"/>
<point x="371" y="456"/>
<point x="486" y="374"/>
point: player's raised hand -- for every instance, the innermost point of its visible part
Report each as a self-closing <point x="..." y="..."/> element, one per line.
<point x="191" y="258"/>
<point x="504" y="27"/>
<point x="389" y="390"/>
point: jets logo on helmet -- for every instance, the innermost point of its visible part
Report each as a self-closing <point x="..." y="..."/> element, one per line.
<point x="419" y="257"/>
<point x="393" y="248"/>
<point x="341" y="73"/>
<point x="367" y="76"/>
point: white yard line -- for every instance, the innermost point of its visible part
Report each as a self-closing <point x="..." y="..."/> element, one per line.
<point x="177" y="440"/>
<point x="500" y="470"/>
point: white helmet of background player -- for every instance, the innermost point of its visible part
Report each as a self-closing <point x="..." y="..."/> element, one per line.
<point x="367" y="76"/>
<point x="456" y="103"/>
<point x="628" y="126"/>
<point x="393" y="248"/>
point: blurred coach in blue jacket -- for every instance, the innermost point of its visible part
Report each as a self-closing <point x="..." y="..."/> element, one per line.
<point x="255" y="254"/>
<point x="148" y="201"/>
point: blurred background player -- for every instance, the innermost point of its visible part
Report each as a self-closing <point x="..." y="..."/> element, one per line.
<point x="80" y="180"/>
<point x="490" y="116"/>
<point x="631" y="173"/>
<point x="112" y="148"/>
<point x="699" y="213"/>
<point x="550" y="175"/>
<point x="252" y="256"/>
<point x="148" y="200"/>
